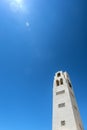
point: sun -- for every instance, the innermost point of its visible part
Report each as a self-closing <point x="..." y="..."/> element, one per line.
<point x="17" y="5"/>
<point x="18" y="1"/>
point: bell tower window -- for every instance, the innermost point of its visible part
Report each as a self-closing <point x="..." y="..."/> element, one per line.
<point x="57" y="82"/>
<point x="61" y="81"/>
<point x="58" y="74"/>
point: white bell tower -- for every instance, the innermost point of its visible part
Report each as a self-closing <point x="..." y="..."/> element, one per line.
<point x="65" y="110"/>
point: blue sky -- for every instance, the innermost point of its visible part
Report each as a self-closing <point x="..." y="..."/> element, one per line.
<point x="37" y="39"/>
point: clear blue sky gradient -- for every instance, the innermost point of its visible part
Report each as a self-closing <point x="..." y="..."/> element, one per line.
<point x="56" y="39"/>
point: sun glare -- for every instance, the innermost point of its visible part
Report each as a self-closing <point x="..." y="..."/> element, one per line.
<point x="17" y="5"/>
<point x="18" y="1"/>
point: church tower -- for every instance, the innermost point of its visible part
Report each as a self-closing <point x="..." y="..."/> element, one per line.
<point x="65" y="110"/>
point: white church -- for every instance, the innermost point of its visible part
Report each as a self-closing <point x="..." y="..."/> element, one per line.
<point x="66" y="115"/>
